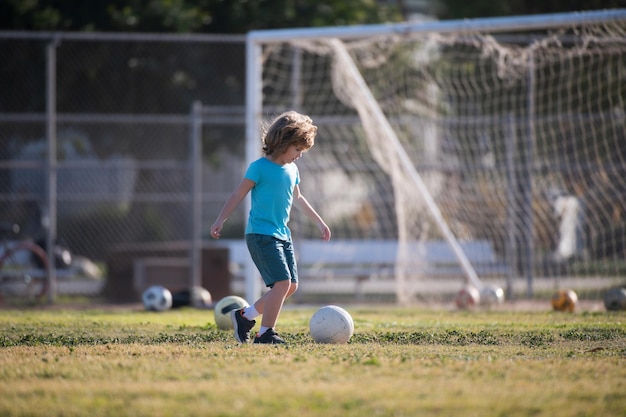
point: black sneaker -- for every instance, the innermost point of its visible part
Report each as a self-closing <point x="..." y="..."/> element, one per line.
<point x="269" y="337"/>
<point x="242" y="326"/>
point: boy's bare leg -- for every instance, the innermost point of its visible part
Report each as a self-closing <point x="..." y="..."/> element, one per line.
<point x="272" y="301"/>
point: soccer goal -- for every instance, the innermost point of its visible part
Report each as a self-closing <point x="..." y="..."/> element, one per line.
<point x="501" y="138"/>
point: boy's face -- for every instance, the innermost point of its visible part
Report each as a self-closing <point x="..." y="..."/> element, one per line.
<point x="292" y="153"/>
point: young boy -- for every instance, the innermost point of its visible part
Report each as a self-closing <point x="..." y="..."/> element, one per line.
<point x="273" y="180"/>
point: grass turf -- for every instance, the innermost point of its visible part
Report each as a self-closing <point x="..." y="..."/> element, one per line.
<point x="400" y="362"/>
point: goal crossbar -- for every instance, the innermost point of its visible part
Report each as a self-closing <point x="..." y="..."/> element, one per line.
<point x="495" y="24"/>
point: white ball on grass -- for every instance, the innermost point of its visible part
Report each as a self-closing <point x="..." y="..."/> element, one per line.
<point x="491" y="294"/>
<point x="200" y="297"/>
<point x="331" y="324"/>
<point x="157" y="298"/>
<point x="223" y="308"/>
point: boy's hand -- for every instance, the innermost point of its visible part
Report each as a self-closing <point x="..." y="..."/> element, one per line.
<point x="325" y="231"/>
<point x="216" y="230"/>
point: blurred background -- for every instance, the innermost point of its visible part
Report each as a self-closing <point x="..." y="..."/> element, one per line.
<point x="127" y="75"/>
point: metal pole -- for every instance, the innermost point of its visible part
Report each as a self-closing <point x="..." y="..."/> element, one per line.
<point x="296" y="75"/>
<point x="511" y="205"/>
<point x="254" y="102"/>
<point x="50" y="213"/>
<point x="529" y="244"/>
<point x="195" y="162"/>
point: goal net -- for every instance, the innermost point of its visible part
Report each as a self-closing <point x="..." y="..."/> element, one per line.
<point x="488" y="150"/>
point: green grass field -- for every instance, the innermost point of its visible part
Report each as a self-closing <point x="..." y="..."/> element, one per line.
<point x="400" y="362"/>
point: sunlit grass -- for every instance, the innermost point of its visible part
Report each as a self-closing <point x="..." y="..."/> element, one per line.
<point x="400" y="362"/>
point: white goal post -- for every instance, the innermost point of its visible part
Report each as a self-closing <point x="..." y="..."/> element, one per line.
<point x="451" y="130"/>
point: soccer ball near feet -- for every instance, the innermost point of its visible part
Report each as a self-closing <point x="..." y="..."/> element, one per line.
<point x="224" y="307"/>
<point x="331" y="324"/>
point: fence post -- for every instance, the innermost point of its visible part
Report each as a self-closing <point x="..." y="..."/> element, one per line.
<point x="50" y="214"/>
<point x="254" y="105"/>
<point x="195" y="224"/>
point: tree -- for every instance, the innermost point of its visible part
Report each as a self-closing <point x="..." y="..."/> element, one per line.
<point x="463" y="9"/>
<point x="186" y="16"/>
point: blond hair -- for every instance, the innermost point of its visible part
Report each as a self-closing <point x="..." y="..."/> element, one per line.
<point x="290" y="128"/>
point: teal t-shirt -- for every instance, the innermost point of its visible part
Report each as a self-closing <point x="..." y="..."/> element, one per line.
<point x="272" y="197"/>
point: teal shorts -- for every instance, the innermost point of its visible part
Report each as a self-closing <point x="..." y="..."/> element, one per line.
<point x="274" y="258"/>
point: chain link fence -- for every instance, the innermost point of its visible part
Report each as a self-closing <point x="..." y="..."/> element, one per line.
<point x="97" y="144"/>
<point x="123" y="148"/>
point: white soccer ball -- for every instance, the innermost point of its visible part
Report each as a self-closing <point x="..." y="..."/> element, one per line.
<point x="491" y="294"/>
<point x="331" y="324"/>
<point x="467" y="297"/>
<point x="615" y="299"/>
<point x="195" y="296"/>
<point x="157" y="298"/>
<point x="224" y="307"/>
<point x="200" y="297"/>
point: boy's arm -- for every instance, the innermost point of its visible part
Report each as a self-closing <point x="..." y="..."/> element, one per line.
<point x="303" y="204"/>
<point x="230" y="205"/>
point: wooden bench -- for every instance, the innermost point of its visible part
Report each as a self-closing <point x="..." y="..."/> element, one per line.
<point x="368" y="266"/>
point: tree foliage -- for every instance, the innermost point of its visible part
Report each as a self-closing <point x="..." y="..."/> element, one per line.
<point x="186" y="16"/>
<point x="463" y="9"/>
<point x="241" y="16"/>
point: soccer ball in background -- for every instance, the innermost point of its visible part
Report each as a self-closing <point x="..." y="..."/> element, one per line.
<point x="615" y="299"/>
<point x="157" y="298"/>
<point x="331" y="324"/>
<point x="564" y="300"/>
<point x="224" y="307"/>
<point x="491" y="294"/>
<point x="195" y="296"/>
<point x="467" y="297"/>
<point x="200" y="297"/>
